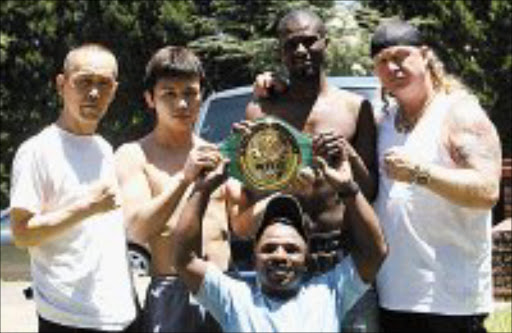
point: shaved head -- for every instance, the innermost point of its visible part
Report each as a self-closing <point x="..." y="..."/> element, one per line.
<point x="73" y="58"/>
<point x="300" y="15"/>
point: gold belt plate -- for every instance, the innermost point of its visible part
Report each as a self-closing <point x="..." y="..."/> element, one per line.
<point x="269" y="156"/>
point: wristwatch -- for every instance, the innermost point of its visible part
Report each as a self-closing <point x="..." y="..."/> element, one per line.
<point x="420" y="175"/>
<point x="350" y="189"/>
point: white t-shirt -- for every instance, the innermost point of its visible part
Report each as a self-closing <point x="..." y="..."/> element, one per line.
<point x="319" y="306"/>
<point x="80" y="277"/>
<point x="439" y="257"/>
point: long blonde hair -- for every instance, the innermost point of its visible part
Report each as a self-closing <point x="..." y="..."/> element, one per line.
<point x="443" y="81"/>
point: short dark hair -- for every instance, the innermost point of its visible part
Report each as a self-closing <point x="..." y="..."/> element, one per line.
<point x="298" y="14"/>
<point x="172" y="61"/>
<point x="285" y="209"/>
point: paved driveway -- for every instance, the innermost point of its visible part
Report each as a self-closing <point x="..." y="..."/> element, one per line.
<point x="16" y="313"/>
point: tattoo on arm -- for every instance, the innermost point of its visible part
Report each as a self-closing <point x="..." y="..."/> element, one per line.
<point x="474" y="147"/>
<point x="474" y="142"/>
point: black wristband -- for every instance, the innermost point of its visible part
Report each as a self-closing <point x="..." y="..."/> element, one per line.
<point x="350" y="189"/>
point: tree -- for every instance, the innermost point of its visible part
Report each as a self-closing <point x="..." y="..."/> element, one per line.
<point x="244" y="42"/>
<point x="348" y="52"/>
<point x="473" y="39"/>
<point x="234" y="38"/>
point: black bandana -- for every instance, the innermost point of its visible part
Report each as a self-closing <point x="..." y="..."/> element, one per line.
<point x="393" y="33"/>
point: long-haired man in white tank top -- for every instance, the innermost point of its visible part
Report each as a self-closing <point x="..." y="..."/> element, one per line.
<point x="440" y="159"/>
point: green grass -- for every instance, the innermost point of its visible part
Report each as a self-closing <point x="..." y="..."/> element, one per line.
<point x="499" y="321"/>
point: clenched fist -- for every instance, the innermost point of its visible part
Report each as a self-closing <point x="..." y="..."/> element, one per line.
<point x="398" y="165"/>
<point x="202" y="158"/>
<point x="267" y="84"/>
<point x="101" y="196"/>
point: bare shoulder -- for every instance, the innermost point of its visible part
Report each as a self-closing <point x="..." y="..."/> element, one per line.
<point x="466" y="110"/>
<point x="130" y="151"/>
<point x="466" y="117"/>
<point x="130" y="156"/>
<point x="254" y="109"/>
<point x="351" y="100"/>
<point x="470" y="134"/>
<point x="130" y="168"/>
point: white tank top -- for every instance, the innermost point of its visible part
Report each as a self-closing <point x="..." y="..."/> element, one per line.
<point x="439" y="252"/>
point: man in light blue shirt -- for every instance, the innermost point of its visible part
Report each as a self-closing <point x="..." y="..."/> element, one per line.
<point x="318" y="306"/>
<point x="284" y="297"/>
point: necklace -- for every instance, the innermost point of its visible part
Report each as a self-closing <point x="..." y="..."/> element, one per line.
<point x="404" y="124"/>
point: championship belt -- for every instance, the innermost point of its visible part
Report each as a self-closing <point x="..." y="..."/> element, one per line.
<point x="269" y="157"/>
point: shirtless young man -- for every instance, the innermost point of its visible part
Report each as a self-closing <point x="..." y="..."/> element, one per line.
<point x="331" y="116"/>
<point x="155" y="173"/>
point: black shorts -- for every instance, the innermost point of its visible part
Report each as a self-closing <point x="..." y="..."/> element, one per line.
<point x="400" y="321"/>
<point x="47" y="326"/>
<point x="170" y="307"/>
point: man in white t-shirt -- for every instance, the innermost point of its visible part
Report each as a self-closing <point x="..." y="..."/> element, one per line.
<point x="284" y="297"/>
<point x="64" y="207"/>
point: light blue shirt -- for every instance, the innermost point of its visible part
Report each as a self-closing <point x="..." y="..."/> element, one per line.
<point x="319" y="306"/>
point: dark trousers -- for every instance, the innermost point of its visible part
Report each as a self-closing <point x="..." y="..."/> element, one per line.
<point x="399" y="321"/>
<point x="47" y="326"/>
<point x="169" y="307"/>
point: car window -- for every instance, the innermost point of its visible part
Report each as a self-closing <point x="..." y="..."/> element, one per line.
<point x="5" y="230"/>
<point x="222" y="113"/>
<point x="367" y="93"/>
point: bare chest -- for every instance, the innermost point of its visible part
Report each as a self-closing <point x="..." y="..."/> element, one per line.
<point x="321" y="116"/>
<point x="160" y="169"/>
